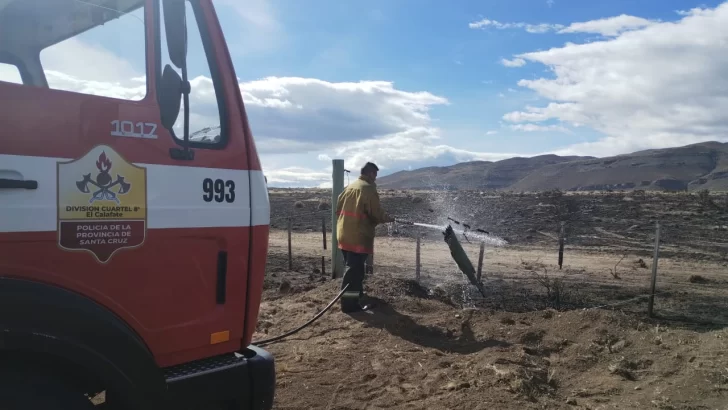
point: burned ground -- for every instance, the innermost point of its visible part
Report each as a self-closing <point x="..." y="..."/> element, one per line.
<point x="437" y="344"/>
<point x="693" y="226"/>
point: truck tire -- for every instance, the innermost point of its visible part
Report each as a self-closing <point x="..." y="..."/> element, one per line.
<point x="22" y="390"/>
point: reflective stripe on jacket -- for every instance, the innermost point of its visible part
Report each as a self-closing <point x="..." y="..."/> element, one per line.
<point x="359" y="212"/>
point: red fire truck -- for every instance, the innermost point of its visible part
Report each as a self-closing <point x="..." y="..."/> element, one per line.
<point x="133" y="242"/>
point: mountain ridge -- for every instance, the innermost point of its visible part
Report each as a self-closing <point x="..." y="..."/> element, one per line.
<point x="696" y="166"/>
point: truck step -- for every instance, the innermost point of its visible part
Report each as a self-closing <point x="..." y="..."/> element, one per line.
<point x="200" y="367"/>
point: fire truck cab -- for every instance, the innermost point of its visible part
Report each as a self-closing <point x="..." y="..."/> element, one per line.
<point x="134" y="213"/>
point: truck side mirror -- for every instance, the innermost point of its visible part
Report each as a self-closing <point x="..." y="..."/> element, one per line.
<point x="170" y="97"/>
<point x="175" y="27"/>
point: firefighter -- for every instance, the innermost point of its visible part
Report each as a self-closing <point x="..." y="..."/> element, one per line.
<point x="359" y="212"/>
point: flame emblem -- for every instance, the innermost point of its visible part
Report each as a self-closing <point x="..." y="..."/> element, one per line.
<point x="103" y="182"/>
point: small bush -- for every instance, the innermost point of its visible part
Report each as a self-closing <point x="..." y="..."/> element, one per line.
<point x="298" y="204"/>
<point x="697" y="279"/>
<point x="557" y="291"/>
<point x="704" y="197"/>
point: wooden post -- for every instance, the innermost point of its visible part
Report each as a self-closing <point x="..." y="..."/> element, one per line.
<point x="417" y="260"/>
<point x="654" y="270"/>
<point x="290" y="249"/>
<point x="323" y="230"/>
<point x="337" y="259"/>
<point x="480" y="261"/>
<point x="561" y="244"/>
<point x="323" y="258"/>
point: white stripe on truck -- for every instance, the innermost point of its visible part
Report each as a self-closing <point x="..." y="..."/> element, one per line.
<point x="174" y="196"/>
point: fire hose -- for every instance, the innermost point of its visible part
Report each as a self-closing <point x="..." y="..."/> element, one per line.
<point x="456" y="251"/>
<point x="303" y="326"/>
<point x="313" y="319"/>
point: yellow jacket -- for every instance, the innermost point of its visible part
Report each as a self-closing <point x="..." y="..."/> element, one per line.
<point x="359" y="212"/>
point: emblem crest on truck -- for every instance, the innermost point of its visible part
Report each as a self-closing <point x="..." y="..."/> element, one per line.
<point x="103" y="182"/>
<point x="102" y="203"/>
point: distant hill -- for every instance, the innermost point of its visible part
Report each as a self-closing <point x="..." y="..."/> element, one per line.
<point x="697" y="166"/>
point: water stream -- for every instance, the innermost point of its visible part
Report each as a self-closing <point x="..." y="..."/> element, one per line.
<point x="481" y="237"/>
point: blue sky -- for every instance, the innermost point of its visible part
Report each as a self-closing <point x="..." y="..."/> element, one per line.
<point x="411" y="83"/>
<point x="427" y="45"/>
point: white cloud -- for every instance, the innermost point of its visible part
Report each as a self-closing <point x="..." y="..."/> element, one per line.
<point x="611" y="26"/>
<point x="296" y="176"/>
<point x="10" y="74"/>
<point x="531" y="28"/>
<point x="539" y="128"/>
<point x="319" y="113"/>
<point x="301" y="123"/>
<point x="260" y="29"/>
<point x="71" y="58"/>
<point x="661" y="85"/>
<point x="692" y="12"/>
<point x="516" y="62"/>
<point x="414" y="146"/>
<point x="126" y="91"/>
<point x="66" y="69"/>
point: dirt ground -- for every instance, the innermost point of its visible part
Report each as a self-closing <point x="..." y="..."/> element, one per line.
<point x="541" y="337"/>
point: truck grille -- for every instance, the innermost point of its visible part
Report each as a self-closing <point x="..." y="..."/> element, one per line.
<point x="211" y="364"/>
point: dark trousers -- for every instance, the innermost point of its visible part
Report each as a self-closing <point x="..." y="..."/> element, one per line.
<point x="354" y="277"/>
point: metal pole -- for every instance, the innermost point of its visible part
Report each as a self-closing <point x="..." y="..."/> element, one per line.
<point x="480" y="261"/>
<point x="654" y="270"/>
<point x="337" y="260"/>
<point x="417" y="260"/>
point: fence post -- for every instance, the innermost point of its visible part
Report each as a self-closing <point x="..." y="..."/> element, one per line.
<point x="323" y="257"/>
<point x="290" y="250"/>
<point x="654" y="269"/>
<point x="323" y="230"/>
<point x="561" y="244"/>
<point x="417" y="260"/>
<point x="480" y="260"/>
<point x="337" y="260"/>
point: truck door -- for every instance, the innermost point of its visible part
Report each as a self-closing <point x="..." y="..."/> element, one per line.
<point x="97" y="200"/>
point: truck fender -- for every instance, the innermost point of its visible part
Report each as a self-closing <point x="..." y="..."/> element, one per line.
<point x="40" y="318"/>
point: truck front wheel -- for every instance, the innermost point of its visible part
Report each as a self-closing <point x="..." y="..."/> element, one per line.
<point x="21" y="389"/>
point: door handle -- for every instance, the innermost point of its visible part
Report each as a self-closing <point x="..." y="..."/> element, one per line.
<point x="18" y="184"/>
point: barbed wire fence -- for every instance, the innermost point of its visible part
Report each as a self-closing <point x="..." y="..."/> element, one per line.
<point x="634" y="282"/>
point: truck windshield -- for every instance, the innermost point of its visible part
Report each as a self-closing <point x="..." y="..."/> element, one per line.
<point x="48" y="22"/>
<point x="98" y="47"/>
<point x="92" y="47"/>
